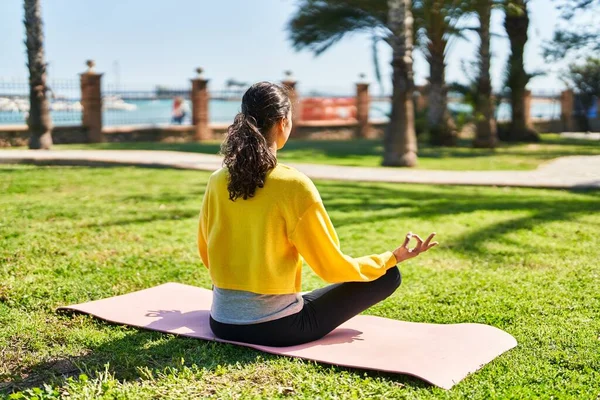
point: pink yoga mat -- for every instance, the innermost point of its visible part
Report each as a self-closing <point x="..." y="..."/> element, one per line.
<point x="439" y="354"/>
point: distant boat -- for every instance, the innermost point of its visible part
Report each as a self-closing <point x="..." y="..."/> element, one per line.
<point x="13" y="105"/>
<point x="66" y="106"/>
<point x="117" y="103"/>
<point x="8" y="105"/>
<point x="16" y="105"/>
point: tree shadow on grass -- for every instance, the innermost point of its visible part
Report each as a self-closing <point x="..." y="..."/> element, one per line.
<point x="398" y="202"/>
<point x="156" y="351"/>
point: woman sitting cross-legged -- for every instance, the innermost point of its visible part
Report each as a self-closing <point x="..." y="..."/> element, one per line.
<point x="258" y="218"/>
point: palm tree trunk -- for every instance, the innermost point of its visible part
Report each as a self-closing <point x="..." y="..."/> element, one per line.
<point x="441" y="127"/>
<point x="400" y="142"/>
<point x="39" y="121"/>
<point x="486" y="136"/>
<point x="516" y="24"/>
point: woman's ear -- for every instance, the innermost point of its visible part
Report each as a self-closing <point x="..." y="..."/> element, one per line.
<point x="282" y="124"/>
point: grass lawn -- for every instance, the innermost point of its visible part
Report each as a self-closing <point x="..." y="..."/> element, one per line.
<point x="368" y="153"/>
<point x="523" y="260"/>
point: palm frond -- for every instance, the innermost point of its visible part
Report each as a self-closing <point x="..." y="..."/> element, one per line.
<point x="318" y="24"/>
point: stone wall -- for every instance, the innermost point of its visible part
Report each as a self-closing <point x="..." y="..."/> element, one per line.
<point x="19" y="136"/>
<point x="325" y="130"/>
<point x="553" y="126"/>
<point x="558" y="126"/>
<point x="176" y="134"/>
<point x="322" y="130"/>
<point x="12" y="136"/>
<point x="312" y="130"/>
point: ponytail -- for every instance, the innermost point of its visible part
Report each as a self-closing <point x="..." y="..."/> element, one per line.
<point x="246" y="150"/>
<point x="247" y="156"/>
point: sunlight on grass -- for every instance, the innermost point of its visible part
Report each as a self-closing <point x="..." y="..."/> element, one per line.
<point x="522" y="260"/>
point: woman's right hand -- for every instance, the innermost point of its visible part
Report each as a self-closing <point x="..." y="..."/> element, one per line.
<point x="403" y="253"/>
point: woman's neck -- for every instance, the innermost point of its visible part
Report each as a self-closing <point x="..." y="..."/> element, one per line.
<point x="273" y="148"/>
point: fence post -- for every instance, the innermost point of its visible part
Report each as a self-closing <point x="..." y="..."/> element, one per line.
<point x="91" y="102"/>
<point x="290" y="84"/>
<point x="200" y="99"/>
<point x="566" y="110"/>
<point x="527" y="108"/>
<point x="362" y="108"/>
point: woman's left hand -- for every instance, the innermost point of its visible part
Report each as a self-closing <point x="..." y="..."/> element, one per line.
<point x="403" y="253"/>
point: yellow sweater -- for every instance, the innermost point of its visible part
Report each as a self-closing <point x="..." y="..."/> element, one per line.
<point x="255" y="244"/>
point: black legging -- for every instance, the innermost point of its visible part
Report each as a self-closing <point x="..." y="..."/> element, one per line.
<point x="324" y="310"/>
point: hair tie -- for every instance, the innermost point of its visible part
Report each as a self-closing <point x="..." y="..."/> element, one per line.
<point x="250" y="119"/>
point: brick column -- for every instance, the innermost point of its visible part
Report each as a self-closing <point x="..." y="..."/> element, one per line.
<point x="200" y="116"/>
<point x="362" y="109"/>
<point x="567" y="103"/>
<point x="290" y="84"/>
<point x="91" y="101"/>
<point x="527" y="110"/>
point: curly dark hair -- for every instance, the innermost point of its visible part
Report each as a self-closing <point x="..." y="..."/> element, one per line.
<point x="245" y="148"/>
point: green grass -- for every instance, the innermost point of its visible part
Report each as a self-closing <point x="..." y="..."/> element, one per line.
<point x="367" y="153"/>
<point x="522" y="260"/>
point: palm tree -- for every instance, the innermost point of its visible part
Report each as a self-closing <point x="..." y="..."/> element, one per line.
<point x="516" y="24"/>
<point x="437" y="21"/>
<point x="39" y="120"/>
<point x="318" y="24"/>
<point x="484" y="115"/>
<point x="400" y="143"/>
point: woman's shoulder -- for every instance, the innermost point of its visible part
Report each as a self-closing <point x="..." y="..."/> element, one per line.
<point x="218" y="175"/>
<point x="218" y="179"/>
<point x="290" y="176"/>
<point x="293" y="182"/>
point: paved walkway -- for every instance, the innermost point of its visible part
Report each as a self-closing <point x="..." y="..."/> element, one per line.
<point x="566" y="172"/>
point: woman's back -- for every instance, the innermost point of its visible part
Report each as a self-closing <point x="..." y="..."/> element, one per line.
<point x="249" y="239"/>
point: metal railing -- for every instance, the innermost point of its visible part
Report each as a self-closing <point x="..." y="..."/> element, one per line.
<point x="545" y="106"/>
<point x="122" y="104"/>
<point x="131" y="105"/>
<point x="138" y="105"/>
<point x="64" y="97"/>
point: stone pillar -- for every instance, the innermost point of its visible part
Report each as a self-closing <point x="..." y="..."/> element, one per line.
<point x="91" y="102"/>
<point x="527" y="108"/>
<point x="290" y="84"/>
<point x="362" y="109"/>
<point x="567" y="104"/>
<point x="200" y="116"/>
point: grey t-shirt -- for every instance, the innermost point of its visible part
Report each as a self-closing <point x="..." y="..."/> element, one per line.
<point x="239" y="307"/>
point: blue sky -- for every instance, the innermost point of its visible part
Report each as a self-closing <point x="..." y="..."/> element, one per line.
<point x="153" y="42"/>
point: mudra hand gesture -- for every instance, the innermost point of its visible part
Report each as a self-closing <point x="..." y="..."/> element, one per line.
<point x="403" y="253"/>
